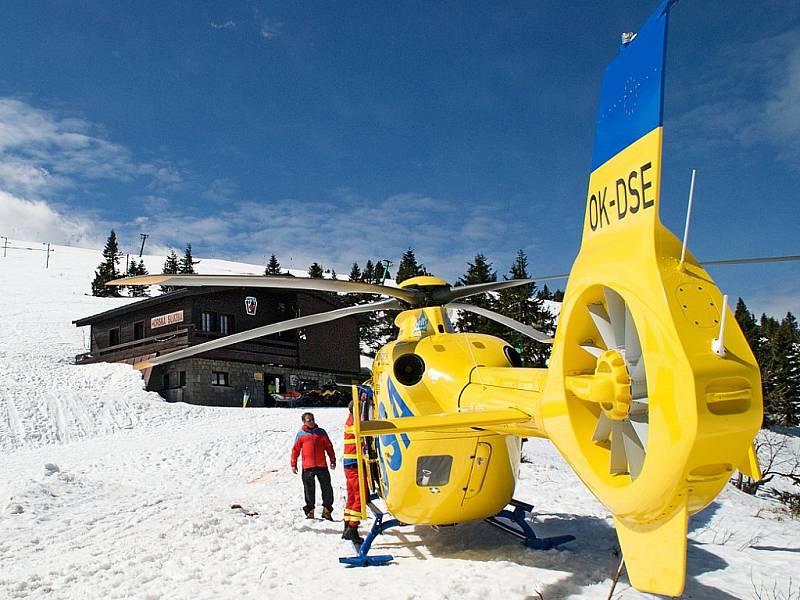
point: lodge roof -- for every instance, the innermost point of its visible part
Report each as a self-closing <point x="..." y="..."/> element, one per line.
<point x="184" y="293"/>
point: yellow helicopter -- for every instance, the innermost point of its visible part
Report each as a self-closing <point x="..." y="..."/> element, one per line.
<point x="652" y="394"/>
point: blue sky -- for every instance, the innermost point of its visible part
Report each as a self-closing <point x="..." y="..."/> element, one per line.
<point x="335" y="132"/>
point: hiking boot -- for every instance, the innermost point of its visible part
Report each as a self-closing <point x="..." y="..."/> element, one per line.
<point x="309" y="513"/>
<point x="326" y="514"/>
<point x="351" y="533"/>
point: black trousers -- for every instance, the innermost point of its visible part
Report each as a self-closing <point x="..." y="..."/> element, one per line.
<point x="309" y="487"/>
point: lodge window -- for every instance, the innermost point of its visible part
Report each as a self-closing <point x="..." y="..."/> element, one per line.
<point x="226" y="324"/>
<point x="165" y="381"/>
<point x="113" y="336"/>
<point x="219" y="378"/>
<point x="208" y="321"/>
<point x="181" y="378"/>
<point x="138" y="330"/>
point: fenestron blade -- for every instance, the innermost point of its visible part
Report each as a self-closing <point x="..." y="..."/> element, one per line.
<point x="616" y="314"/>
<point x="639" y="409"/>
<point x="593" y="350"/>
<point x="273" y="328"/>
<point x="634" y="449"/>
<point x="633" y="348"/>
<point x="289" y="283"/>
<point x="603" y="324"/>
<point x="642" y="429"/>
<point x="619" y="462"/>
<point x="527" y="330"/>
<point x="603" y="429"/>
<point x="637" y="372"/>
<point x="456" y="293"/>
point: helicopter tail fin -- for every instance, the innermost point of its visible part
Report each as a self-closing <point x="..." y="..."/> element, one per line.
<point x="655" y="554"/>
<point x="650" y="416"/>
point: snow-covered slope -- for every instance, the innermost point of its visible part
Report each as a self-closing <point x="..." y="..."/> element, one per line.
<point x="106" y="491"/>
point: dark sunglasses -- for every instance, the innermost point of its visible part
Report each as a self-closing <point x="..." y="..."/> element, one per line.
<point x="309" y="419"/>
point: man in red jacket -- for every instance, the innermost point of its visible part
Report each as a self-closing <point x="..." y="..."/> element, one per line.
<point x="313" y="443"/>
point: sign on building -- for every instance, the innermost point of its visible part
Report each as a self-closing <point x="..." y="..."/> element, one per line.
<point x="164" y="320"/>
<point x="250" y="305"/>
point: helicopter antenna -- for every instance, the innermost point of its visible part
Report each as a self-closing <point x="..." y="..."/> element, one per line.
<point x="718" y="343"/>
<point x="688" y="218"/>
<point x="474" y="362"/>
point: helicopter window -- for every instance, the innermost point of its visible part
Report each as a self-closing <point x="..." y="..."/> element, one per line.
<point x="513" y="356"/>
<point x="408" y="369"/>
<point x="434" y="470"/>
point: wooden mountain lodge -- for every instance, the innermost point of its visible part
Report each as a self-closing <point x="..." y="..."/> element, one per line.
<point x="284" y="363"/>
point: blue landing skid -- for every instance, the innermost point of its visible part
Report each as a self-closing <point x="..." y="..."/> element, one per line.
<point x="523" y="530"/>
<point x="363" y="559"/>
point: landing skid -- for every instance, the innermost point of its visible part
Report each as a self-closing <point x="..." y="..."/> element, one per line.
<point x="522" y="530"/>
<point x="362" y="558"/>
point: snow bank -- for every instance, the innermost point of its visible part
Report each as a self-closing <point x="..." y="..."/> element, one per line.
<point x="106" y="491"/>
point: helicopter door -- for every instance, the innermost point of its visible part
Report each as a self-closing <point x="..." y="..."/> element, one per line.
<point x="480" y="464"/>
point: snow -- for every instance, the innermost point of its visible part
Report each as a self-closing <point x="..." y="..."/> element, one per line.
<point x="107" y="491"/>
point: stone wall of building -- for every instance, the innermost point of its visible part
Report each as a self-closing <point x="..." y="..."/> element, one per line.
<point x="200" y="384"/>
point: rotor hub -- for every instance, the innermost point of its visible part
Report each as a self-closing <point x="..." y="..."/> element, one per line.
<point x="616" y="403"/>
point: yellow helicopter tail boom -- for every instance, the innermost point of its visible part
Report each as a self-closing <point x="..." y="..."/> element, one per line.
<point x="445" y="422"/>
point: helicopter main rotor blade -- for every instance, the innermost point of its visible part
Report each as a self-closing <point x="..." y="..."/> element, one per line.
<point x="705" y="263"/>
<point x="749" y="261"/>
<point x="527" y="330"/>
<point x="289" y="283"/>
<point x="270" y="329"/>
<point x="456" y="293"/>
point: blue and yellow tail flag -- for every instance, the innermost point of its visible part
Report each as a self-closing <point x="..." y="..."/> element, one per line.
<point x="626" y="160"/>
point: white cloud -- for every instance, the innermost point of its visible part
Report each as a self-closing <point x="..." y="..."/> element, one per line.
<point x="36" y="220"/>
<point x="42" y="153"/>
<point x="270" y="28"/>
<point x="221" y="190"/>
<point x="733" y="115"/>
<point x="223" y="25"/>
<point x="445" y="234"/>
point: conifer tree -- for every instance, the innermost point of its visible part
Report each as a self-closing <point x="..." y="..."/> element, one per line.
<point x="781" y="374"/>
<point x="366" y="321"/>
<point x="273" y="266"/>
<point x="134" y="269"/>
<point x="375" y="328"/>
<point x="368" y="275"/>
<point x="558" y="296"/>
<point x="382" y="272"/>
<point x="171" y="267"/>
<point x="408" y="267"/>
<point x="380" y="326"/>
<point x="747" y="322"/>
<point x="521" y="303"/>
<point x="107" y="270"/>
<point x="355" y="272"/>
<point x="315" y="271"/>
<point x="544" y="293"/>
<point x="478" y="271"/>
<point x="186" y="266"/>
